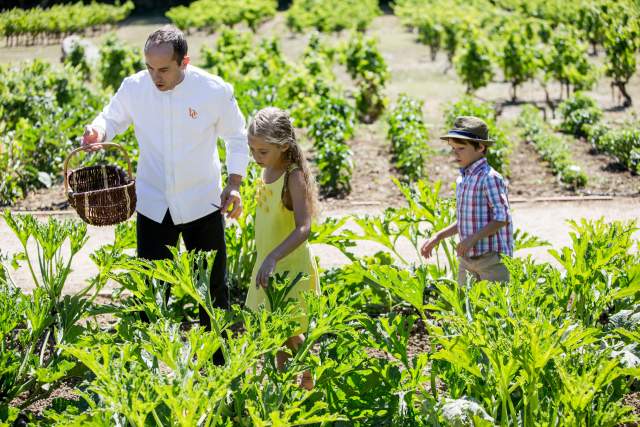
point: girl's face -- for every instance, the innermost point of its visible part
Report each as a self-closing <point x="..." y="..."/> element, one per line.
<point x="267" y="155"/>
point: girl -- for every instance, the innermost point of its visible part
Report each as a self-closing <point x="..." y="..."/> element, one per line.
<point x="285" y="207"/>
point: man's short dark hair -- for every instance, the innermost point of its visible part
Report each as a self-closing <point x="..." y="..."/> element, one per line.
<point x="171" y="35"/>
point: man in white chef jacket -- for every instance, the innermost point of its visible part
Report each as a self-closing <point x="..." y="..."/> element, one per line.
<point x="178" y="111"/>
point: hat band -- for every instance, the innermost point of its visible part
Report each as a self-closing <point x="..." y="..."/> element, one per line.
<point x="464" y="133"/>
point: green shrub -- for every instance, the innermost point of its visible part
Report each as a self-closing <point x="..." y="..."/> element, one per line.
<point x="409" y="136"/>
<point x="368" y="68"/>
<point x="332" y="15"/>
<point x="329" y="131"/>
<point x="578" y="112"/>
<point x="622" y="143"/>
<point x="210" y="15"/>
<point x="77" y="58"/>
<point x="474" y="62"/>
<point x="552" y="148"/>
<point x="118" y="61"/>
<point x="37" y="25"/>
<point x="43" y="111"/>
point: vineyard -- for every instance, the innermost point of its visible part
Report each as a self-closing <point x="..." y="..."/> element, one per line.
<point x="33" y="26"/>
<point x="393" y="340"/>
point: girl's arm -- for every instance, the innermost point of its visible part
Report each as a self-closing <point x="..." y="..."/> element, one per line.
<point x="302" y="215"/>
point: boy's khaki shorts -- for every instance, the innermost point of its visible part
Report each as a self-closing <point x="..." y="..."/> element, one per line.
<point x="487" y="266"/>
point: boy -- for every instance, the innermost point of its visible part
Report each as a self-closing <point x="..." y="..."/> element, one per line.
<point x="482" y="207"/>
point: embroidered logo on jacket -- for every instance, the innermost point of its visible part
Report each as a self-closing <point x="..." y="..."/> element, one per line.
<point x="193" y="113"/>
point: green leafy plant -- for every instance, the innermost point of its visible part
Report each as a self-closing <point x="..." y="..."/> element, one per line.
<point x="474" y="62"/>
<point x="567" y="61"/>
<point x="331" y="15"/>
<point x="579" y="112"/>
<point x="517" y="58"/>
<point x="551" y="147"/>
<point x="333" y="157"/>
<point x="41" y="26"/>
<point x="33" y="327"/>
<point x="623" y="143"/>
<point x="621" y="42"/>
<point x="408" y="134"/>
<point x="368" y="68"/>
<point x="209" y="15"/>
<point x="43" y="111"/>
<point x="117" y="61"/>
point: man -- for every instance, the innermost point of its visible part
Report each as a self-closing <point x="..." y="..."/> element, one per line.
<point x="178" y="112"/>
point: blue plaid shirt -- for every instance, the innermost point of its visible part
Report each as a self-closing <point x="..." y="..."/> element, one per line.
<point x="481" y="196"/>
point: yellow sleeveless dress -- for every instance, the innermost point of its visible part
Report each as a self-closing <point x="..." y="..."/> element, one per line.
<point x="273" y="224"/>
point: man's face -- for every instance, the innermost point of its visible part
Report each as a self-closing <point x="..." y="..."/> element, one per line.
<point x="163" y="67"/>
<point x="465" y="154"/>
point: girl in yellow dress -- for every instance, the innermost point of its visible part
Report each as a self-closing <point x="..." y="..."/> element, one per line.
<point x="285" y="208"/>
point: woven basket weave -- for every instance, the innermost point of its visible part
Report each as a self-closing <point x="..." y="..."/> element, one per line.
<point x="101" y="195"/>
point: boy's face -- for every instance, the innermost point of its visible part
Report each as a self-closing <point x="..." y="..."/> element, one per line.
<point x="163" y="67"/>
<point x="465" y="153"/>
<point x="266" y="155"/>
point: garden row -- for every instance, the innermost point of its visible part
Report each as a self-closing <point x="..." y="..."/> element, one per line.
<point x="324" y="15"/>
<point x="547" y="347"/>
<point x="37" y="25"/>
<point x="582" y="117"/>
<point x="528" y="41"/>
<point x="45" y="109"/>
<point x="210" y="15"/>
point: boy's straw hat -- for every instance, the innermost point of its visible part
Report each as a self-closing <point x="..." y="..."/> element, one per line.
<point x="470" y="128"/>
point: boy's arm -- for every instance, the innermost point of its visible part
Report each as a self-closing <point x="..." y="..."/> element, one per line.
<point x="430" y="244"/>
<point x="451" y="230"/>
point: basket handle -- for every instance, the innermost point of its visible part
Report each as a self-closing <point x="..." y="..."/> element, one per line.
<point x="85" y="147"/>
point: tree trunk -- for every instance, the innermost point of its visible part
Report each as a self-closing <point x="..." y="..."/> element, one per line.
<point x="623" y="90"/>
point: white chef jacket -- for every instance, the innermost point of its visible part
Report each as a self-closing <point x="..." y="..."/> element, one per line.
<point x="177" y="130"/>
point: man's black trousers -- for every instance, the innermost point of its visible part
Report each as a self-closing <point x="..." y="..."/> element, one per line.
<point x="204" y="234"/>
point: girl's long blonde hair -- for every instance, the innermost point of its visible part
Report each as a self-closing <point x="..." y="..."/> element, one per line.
<point x="274" y="125"/>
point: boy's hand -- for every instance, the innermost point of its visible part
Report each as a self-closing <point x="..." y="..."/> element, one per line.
<point x="266" y="269"/>
<point x="428" y="246"/>
<point x="465" y="246"/>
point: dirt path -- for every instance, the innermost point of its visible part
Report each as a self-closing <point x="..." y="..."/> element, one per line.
<point x="546" y="220"/>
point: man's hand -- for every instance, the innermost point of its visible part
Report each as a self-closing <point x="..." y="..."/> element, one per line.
<point x="428" y="246"/>
<point x="231" y="197"/>
<point x="266" y="270"/>
<point x="465" y="246"/>
<point x="92" y="138"/>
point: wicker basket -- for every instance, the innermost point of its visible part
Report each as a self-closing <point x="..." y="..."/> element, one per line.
<point x="102" y="195"/>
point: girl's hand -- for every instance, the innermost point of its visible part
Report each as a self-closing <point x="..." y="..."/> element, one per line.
<point x="266" y="270"/>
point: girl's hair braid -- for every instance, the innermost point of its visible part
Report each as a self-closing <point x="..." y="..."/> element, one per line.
<point x="274" y="125"/>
